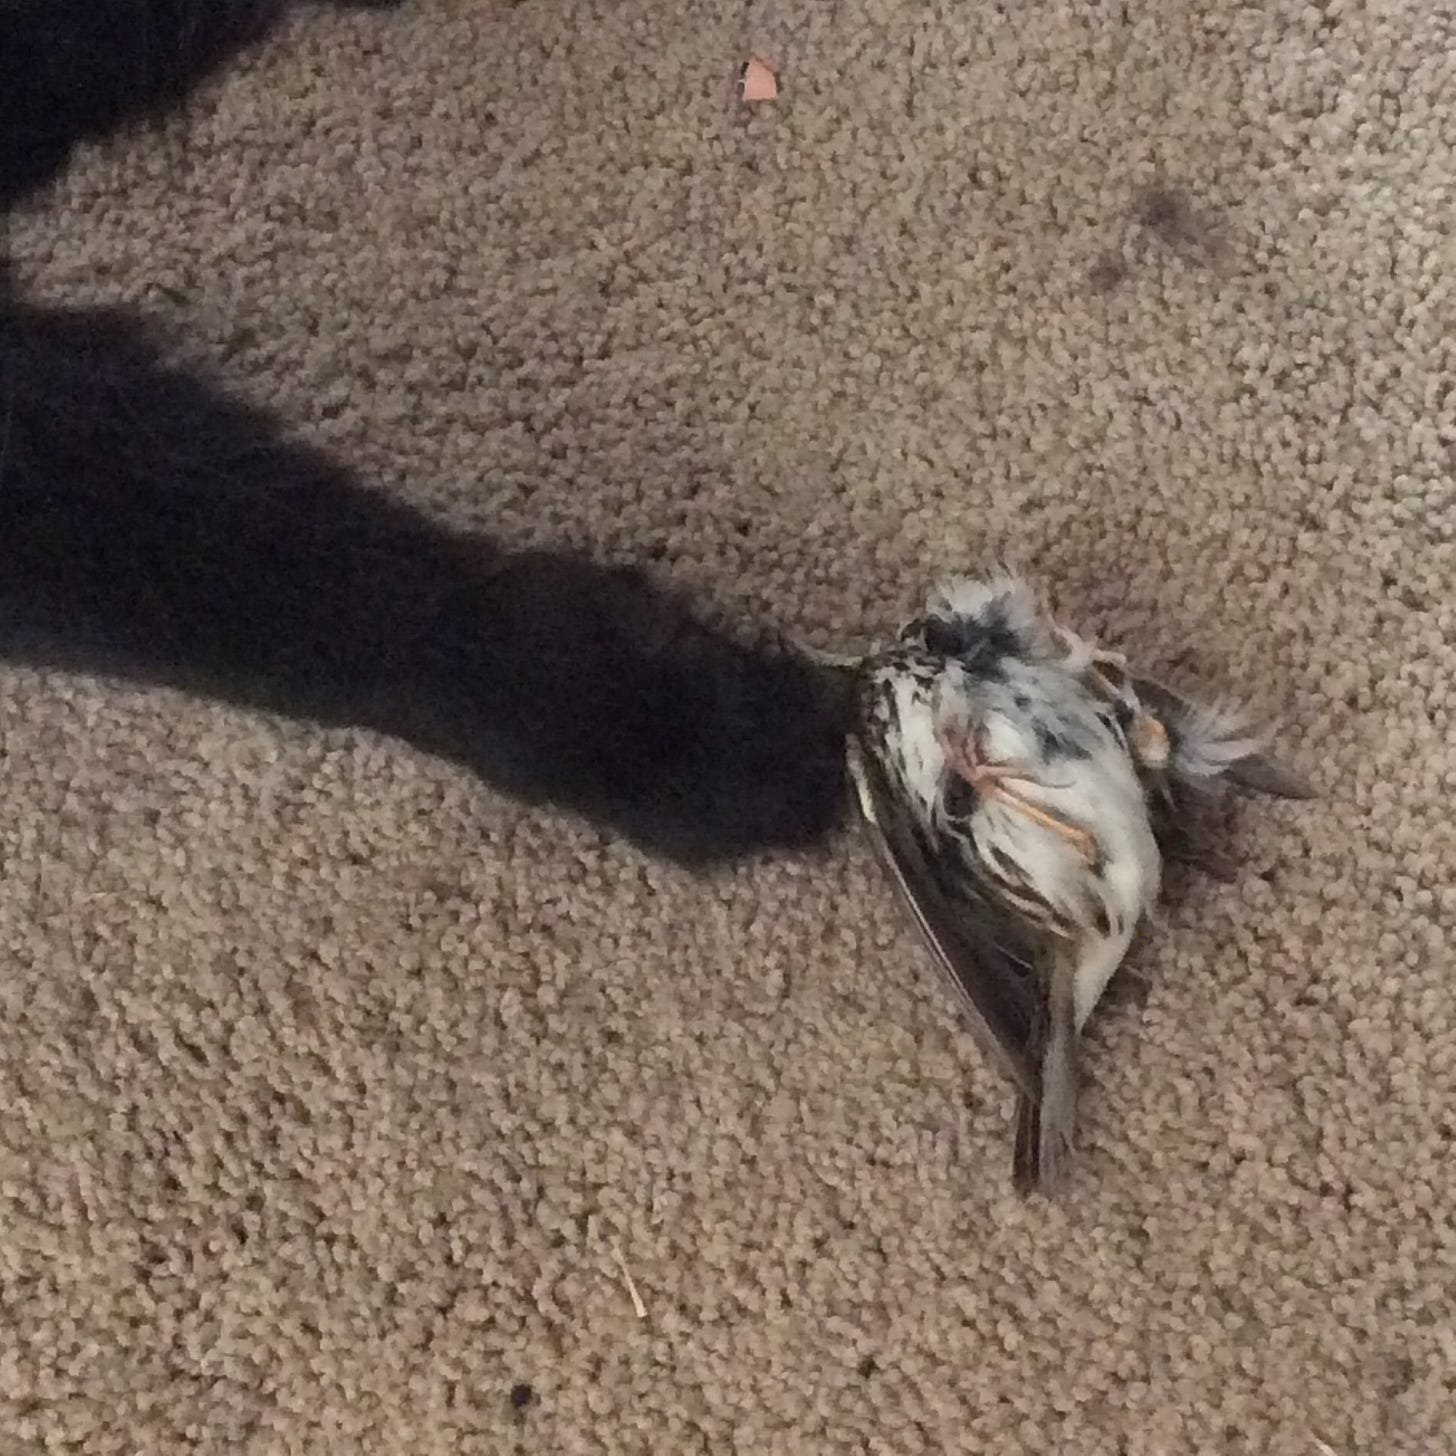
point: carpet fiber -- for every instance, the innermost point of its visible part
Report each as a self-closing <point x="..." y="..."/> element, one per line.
<point x="339" y="1090"/>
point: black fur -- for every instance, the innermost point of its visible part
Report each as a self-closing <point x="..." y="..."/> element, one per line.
<point x="154" y="529"/>
<point x="77" y="70"/>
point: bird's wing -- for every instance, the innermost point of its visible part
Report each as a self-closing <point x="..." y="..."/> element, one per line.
<point x="981" y="953"/>
<point x="1256" y="771"/>
<point x="1182" y="825"/>
<point x="1046" y="1125"/>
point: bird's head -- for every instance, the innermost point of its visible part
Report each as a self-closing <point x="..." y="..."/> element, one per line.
<point x="992" y="616"/>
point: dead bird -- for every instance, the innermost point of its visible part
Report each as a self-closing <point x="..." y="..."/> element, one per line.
<point x="1022" y="787"/>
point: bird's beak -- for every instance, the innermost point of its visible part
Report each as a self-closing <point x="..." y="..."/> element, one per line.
<point x="833" y="675"/>
<point x="840" y="662"/>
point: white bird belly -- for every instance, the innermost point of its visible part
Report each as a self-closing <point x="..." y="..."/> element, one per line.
<point x="1093" y="788"/>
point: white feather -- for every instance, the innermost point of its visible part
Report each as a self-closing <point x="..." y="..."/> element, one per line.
<point x="1100" y="792"/>
<point x="1211" y="738"/>
<point x="1004" y="594"/>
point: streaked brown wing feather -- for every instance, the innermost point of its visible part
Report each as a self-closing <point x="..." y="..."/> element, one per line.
<point x="1006" y="883"/>
<point x="1261" y="774"/>
<point x="1258" y="773"/>
<point x="982" y="956"/>
<point x="1184" y="825"/>
<point x="1182" y="842"/>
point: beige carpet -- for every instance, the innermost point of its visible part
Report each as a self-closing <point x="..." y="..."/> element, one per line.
<point x="332" y="1081"/>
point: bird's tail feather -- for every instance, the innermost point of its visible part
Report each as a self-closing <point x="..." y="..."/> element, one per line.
<point x="1046" y="1124"/>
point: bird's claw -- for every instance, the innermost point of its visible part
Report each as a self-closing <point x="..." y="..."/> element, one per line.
<point x="993" y="781"/>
